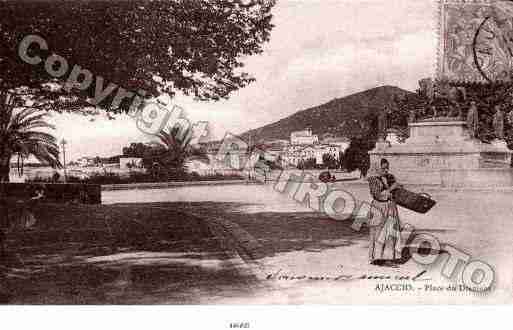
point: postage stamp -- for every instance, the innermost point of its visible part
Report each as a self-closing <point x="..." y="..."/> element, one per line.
<point x="475" y="40"/>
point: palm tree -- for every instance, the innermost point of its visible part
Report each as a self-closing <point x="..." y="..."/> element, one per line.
<point x="174" y="150"/>
<point x="22" y="135"/>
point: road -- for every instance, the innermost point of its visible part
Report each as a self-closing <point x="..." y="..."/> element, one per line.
<point x="476" y="222"/>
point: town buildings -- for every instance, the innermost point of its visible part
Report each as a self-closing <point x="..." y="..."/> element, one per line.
<point x="304" y="137"/>
<point x="305" y="146"/>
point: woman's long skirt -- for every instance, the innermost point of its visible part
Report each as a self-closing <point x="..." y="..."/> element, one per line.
<point x="385" y="232"/>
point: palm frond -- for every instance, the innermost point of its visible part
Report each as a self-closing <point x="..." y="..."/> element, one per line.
<point x="23" y="114"/>
<point x="25" y="120"/>
<point x="46" y="155"/>
<point x="39" y="124"/>
<point x="36" y="135"/>
<point x="23" y="133"/>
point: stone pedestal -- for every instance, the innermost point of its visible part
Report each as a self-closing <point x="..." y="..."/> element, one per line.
<point x="441" y="152"/>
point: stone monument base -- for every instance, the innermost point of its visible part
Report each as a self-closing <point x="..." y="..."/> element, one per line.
<point x="443" y="153"/>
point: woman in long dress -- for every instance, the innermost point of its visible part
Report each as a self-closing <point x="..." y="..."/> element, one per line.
<point x="385" y="227"/>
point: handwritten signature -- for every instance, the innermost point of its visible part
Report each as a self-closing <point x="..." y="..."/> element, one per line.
<point x="346" y="277"/>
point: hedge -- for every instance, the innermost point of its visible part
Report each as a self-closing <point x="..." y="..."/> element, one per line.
<point x="56" y="192"/>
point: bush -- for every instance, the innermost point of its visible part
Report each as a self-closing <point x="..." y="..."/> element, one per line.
<point x="213" y="177"/>
<point x="105" y="178"/>
<point x="141" y="177"/>
<point x="74" y="179"/>
<point x="56" y="176"/>
<point x="55" y="179"/>
<point x="56" y="192"/>
<point x="38" y="179"/>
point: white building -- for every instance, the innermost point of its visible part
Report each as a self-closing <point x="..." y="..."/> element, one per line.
<point x="304" y="137"/>
<point x="308" y="152"/>
<point x="295" y="154"/>
<point x="200" y="166"/>
<point x="85" y="161"/>
<point x="327" y="149"/>
<point x="341" y="142"/>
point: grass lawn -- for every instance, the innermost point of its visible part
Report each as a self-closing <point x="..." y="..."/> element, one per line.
<point x="96" y="254"/>
<point x="149" y="253"/>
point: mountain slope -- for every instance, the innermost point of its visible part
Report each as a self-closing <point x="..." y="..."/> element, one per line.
<point x="341" y="117"/>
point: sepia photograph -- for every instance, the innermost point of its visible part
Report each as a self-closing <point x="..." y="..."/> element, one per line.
<point x="256" y="153"/>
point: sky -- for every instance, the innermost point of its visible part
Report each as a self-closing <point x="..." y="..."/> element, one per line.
<point x="319" y="50"/>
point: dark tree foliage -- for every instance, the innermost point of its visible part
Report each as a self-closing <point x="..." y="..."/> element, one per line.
<point x="307" y="164"/>
<point x="193" y="46"/>
<point x="136" y="149"/>
<point x="198" y="152"/>
<point x="269" y="164"/>
<point x="329" y="161"/>
<point x="357" y="155"/>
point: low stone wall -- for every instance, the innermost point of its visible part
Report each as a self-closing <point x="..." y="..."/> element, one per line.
<point x="162" y="185"/>
<point x="56" y="192"/>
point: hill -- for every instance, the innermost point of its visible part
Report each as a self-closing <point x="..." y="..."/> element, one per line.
<point x="344" y="116"/>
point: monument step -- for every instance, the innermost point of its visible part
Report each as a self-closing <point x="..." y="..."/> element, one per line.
<point x="459" y="178"/>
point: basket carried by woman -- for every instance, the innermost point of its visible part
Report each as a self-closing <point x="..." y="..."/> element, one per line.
<point x="420" y="203"/>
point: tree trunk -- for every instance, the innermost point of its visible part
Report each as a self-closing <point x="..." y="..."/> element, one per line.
<point x="4" y="208"/>
<point x="5" y="168"/>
